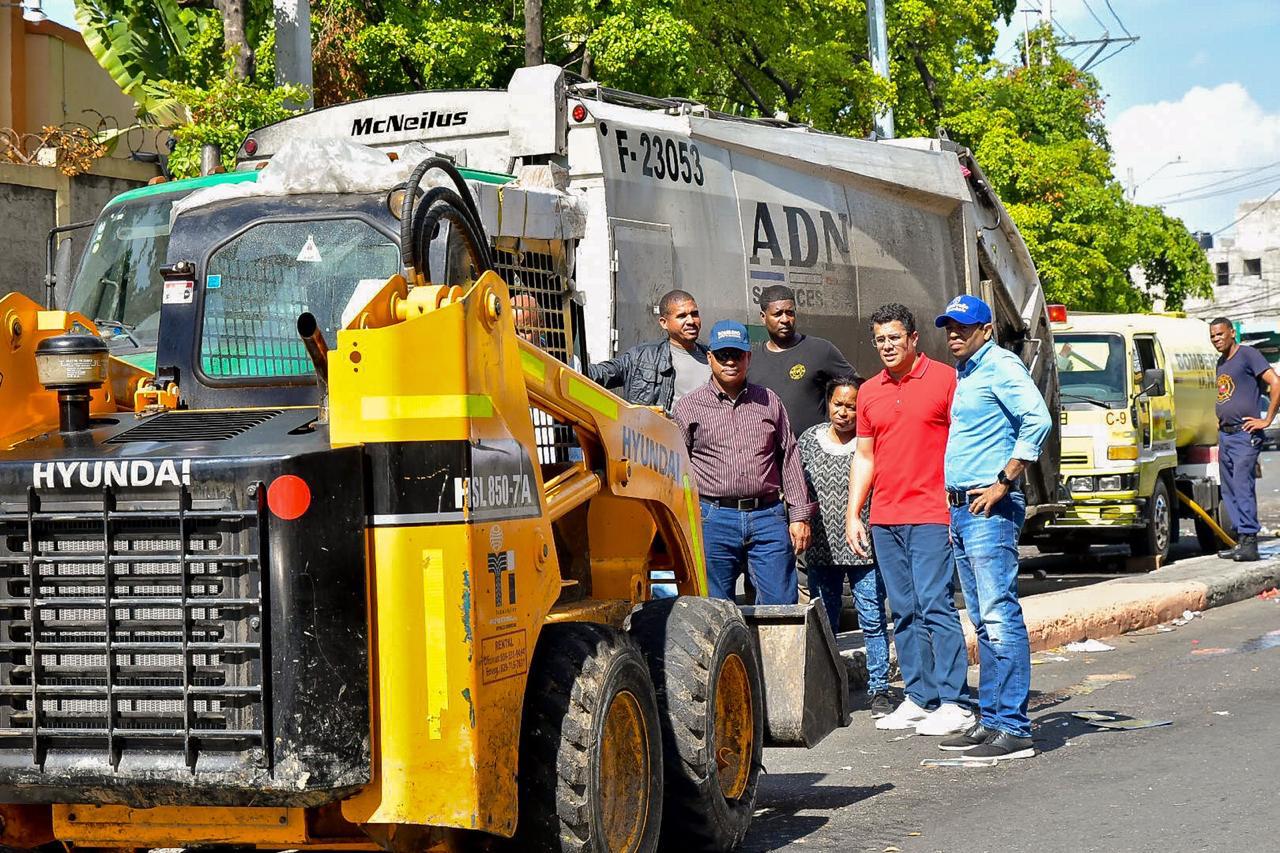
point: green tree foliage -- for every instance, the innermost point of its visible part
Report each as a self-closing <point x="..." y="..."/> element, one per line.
<point x="1039" y="135"/>
<point x="171" y="57"/>
<point x="221" y="114"/>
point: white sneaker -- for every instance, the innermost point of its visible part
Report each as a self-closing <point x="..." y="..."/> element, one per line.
<point x="946" y="720"/>
<point x="905" y="716"/>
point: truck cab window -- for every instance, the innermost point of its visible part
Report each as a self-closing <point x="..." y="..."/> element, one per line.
<point x="119" y="277"/>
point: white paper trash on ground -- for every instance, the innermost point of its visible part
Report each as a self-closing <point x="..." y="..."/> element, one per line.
<point x="1089" y="646"/>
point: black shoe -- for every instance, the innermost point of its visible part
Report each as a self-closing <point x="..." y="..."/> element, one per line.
<point x="1247" y="550"/>
<point x="1227" y="554"/>
<point x="975" y="735"/>
<point x="882" y="704"/>
<point x="1002" y="747"/>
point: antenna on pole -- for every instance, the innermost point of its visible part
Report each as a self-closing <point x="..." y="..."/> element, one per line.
<point x="878" y="41"/>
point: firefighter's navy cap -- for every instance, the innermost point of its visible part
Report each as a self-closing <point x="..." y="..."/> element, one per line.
<point x="966" y="309"/>
<point x="728" y="334"/>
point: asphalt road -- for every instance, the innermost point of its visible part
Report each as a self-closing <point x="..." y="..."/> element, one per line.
<point x="1206" y="782"/>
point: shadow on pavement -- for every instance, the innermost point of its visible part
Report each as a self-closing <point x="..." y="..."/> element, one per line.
<point x="780" y="823"/>
<point x="1053" y="731"/>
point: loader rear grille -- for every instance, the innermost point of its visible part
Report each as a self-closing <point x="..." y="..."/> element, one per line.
<point x="131" y="629"/>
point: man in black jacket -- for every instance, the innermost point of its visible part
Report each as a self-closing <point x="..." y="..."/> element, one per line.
<point x="659" y="373"/>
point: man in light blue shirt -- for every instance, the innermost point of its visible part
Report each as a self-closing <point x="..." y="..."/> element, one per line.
<point x="998" y="423"/>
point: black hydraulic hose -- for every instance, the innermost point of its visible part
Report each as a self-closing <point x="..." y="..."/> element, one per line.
<point x="410" y="197"/>
<point x="445" y="208"/>
<point x="420" y="241"/>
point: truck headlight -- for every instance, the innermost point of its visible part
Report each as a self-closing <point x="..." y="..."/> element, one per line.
<point x="1113" y="483"/>
<point x="1080" y="484"/>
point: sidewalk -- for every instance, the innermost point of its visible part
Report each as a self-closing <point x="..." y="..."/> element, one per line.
<point x="1116" y="606"/>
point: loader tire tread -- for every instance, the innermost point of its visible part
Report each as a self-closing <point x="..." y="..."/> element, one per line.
<point x="570" y="674"/>
<point x="685" y="640"/>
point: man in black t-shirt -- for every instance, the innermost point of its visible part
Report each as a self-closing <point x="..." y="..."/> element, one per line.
<point x="796" y="367"/>
<point x="1242" y="373"/>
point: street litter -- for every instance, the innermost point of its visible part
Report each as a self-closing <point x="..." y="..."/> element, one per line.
<point x="903" y="737"/>
<point x="1048" y="659"/>
<point x="1270" y="593"/>
<point x="1129" y="725"/>
<point x="1092" y="716"/>
<point x="1187" y="616"/>
<point x="1223" y="713"/>
<point x="1088" y="646"/>
<point x="958" y="762"/>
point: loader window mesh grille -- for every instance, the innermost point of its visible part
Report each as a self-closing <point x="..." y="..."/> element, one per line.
<point x="257" y="285"/>
<point x="124" y="630"/>
<point x="541" y="298"/>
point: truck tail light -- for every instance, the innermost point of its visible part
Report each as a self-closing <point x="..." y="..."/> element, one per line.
<point x="1057" y="313"/>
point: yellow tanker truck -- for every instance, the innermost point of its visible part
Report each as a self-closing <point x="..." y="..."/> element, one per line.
<point x="1138" y="430"/>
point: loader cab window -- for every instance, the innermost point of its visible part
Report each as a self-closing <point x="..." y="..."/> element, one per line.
<point x="119" y="276"/>
<point x="1092" y="367"/>
<point x="257" y="284"/>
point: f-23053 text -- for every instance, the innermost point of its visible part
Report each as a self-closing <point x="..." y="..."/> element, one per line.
<point x="664" y="158"/>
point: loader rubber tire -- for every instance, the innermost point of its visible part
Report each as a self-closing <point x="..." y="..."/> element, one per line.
<point x="591" y="751"/>
<point x="702" y="658"/>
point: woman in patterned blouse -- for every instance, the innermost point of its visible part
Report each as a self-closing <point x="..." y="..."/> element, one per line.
<point x="826" y="451"/>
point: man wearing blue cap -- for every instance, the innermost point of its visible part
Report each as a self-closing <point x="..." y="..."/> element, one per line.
<point x="999" y="420"/>
<point x="754" y="498"/>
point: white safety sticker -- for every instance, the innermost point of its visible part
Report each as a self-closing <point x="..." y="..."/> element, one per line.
<point x="310" y="251"/>
<point x="179" y="292"/>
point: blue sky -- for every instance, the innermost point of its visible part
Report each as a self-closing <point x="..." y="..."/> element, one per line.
<point x="1192" y="107"/>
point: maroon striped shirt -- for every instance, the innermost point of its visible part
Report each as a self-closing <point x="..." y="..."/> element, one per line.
<point x="743" y="448"/>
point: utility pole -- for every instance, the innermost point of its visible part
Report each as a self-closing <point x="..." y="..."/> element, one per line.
<point x="533" y="51"/>
<point x="1046" y="24"/>
<point x="878" y="42"/>
<point x="293" y="46"/>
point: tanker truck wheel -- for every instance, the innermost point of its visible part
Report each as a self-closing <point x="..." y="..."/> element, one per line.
<point x="711" y="701"/>
<point x="1156" y="539"/>
<point x="590" y="751"/>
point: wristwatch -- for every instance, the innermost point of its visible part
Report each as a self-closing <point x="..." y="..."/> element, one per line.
<point x="1003" y="478"/>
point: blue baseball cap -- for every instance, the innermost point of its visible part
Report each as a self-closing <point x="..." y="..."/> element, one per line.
<point x="969" y="310"/>
<point x="728" y="334"/>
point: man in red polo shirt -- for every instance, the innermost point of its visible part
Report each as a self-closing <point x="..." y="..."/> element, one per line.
<point x="904" y="414"/>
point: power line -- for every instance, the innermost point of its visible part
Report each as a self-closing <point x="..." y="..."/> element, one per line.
<point x="1094" y="15"/>
<point x="1247" y="213"/>
<point x="1117" y="17"/>
<point x="1254" y="183"/>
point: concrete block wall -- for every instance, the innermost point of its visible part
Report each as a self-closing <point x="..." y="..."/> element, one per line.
<point x="34" y="199"/>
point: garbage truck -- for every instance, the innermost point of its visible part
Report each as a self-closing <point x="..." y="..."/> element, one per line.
<point x="1139" y="432"/>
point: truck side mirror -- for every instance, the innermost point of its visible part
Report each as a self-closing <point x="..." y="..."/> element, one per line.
<point x="62" y="273"/>
<point x="1153" y="381"/>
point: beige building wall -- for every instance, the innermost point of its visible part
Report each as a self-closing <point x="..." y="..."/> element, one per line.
<point x="48" y="77"/>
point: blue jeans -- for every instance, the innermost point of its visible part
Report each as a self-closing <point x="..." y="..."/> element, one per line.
<point x="756" y="541"/>
<point x="986" y="551"/>
<point x="915" y="560"/>
<point x="1237" y="457"/>
<point x="826" y="583"/>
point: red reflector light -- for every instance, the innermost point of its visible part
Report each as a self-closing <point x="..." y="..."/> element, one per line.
<point x="579" y="113"/>
<point x="288" y="497"/>
<point x="251" y="146"/>
<point x="1057" y="313"/>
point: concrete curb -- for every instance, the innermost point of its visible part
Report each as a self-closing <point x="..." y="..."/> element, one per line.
<point x="1117" y="606"/>
<point x="1113" y="607"/>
